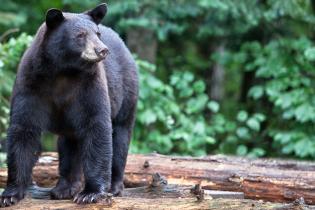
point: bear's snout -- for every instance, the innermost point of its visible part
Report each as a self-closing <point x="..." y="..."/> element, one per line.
<point x="94" y="51"/>
<point x="102" y="52"/>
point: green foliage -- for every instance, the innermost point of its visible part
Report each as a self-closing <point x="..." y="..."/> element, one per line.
<point x="170" y="126"/>
<point x="286" y="69"/>
<point x="10" y="54"/>
<point x="28" y="15"/>
<point x="170" y="114"/>
<point x="268" y="55"/>
<point x="270" y="39"/>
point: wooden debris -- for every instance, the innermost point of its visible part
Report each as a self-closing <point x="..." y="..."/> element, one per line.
<point x="261" y="179"/>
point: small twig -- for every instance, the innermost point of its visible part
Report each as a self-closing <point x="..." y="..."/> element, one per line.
<point x="198" y="192"/>
<point x="7" y="33"/>
<point x="299" y="202"/>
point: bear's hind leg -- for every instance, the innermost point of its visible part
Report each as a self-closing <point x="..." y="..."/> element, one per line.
<point x="122" y="131"/>
<point x="121" y="139"/>
<point x="69" y="183"/>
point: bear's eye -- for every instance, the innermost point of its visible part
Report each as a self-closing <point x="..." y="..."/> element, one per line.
<point x="81" y="35"/>
<point x="98" y="34"/>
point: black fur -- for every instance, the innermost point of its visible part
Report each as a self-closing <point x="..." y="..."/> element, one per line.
<point x="90" y="102"/>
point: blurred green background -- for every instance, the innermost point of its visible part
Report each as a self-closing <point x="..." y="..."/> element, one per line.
<point x="216" y="76"/>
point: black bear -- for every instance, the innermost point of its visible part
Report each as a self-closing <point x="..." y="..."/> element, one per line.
<point x="79" y="81"/>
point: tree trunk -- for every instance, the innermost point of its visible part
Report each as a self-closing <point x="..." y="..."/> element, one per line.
<point x="217" y="77"/>
<point x="267" y="179"/>
<point x="142" y="42"/>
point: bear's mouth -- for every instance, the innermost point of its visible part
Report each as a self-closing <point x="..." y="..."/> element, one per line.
<point x="92" y="57"/>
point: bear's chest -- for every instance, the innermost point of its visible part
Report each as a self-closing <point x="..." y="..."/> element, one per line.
<point x="61" y="96"/>
<point x="64" y="91"/>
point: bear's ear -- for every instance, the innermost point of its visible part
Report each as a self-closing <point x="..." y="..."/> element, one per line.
<point x="98" y="13"/>
<point x="53" y="18"/>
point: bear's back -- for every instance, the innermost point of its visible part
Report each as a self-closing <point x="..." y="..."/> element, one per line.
<point x="117" y="48"/>
<point x="121" y="71"/>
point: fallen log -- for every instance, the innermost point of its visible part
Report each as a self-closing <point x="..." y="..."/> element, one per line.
<point x="267" y="179"/>
<point x="158" y="188"/>
<point x="157" y="204"/>
<point x="160" y="195"/>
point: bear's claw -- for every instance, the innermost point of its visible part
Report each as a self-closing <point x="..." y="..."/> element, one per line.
<point x="85" y="198"/>
<point x="6" y="201"/>
<point x="68" y="191"/>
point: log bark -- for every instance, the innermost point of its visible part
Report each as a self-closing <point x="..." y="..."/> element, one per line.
<point x="158" y="188"/>
<point x="157" y="204"/>
<point x="271" y="180"/>
<point x="158" y="195"/>
<point x="267" y="179"/>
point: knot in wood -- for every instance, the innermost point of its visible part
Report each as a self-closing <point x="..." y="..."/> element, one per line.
<point x="146" y="164"/>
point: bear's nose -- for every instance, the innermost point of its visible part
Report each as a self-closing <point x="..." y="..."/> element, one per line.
<point x="102" y="52"/>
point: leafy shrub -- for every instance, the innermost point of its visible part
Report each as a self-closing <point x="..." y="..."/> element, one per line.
<point x="179" y="118"/>
<point x="285" y="82"/>
<point x="10" y="54"/>
<point x="169" y="119"/>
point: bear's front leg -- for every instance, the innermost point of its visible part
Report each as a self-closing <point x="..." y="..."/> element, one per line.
<point x="23" y="146"/>
<point x="96" y="157"/>
<point x="21" y="156"/>
<point x="23" y="151"/>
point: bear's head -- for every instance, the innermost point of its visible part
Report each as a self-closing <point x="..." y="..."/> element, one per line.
<point x="74" y="40"/>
